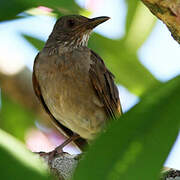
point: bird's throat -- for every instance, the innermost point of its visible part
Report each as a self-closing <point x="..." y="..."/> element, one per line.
<point x="67" y="44"/>
<point x="77" y="41"/>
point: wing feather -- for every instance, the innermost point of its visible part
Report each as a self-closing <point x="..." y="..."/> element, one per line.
<point x="103" y="82"/>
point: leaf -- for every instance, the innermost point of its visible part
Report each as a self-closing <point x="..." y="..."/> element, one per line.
<point x="136" y="146"/>
<point x="139" y="24"/>
<point x="63" y="6"/>
<point x="10" y="9"/>
<point x="18" y="163"/>
<point x="37" y="43"/>
<point x="131" y="11"/>
<point x="15" y="119"/>
<point x="124" y="64"/>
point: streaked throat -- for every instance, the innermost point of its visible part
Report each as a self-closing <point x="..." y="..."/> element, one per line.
<point x="78" y="41"/>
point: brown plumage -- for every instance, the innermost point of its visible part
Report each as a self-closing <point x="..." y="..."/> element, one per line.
<point x="72" y="82"/>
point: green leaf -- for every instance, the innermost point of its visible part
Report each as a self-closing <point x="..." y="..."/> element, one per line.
<point x="10" y="9"/>
<point x="18" y="163"/>
<point x="37" y="43"/>
<point x="136" y="146"/>
<point x="124" y="64"/>
<point x="62" y="6"/>
<point x="15" y="119"/>
<point x="131" y="11"/>
<point x="139" y="24"/>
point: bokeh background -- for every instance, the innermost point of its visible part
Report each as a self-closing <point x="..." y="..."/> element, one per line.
<point x="135" y="46"/>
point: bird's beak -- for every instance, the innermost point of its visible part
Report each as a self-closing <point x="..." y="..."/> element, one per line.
<point x="92" y="23"/>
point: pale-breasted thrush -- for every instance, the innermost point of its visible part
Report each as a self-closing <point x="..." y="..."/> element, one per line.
<point x="72" y="82"/>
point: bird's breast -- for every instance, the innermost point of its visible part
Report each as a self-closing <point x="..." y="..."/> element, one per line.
<point x="68" y="92"/>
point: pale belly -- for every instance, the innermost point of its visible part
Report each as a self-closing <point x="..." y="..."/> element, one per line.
<point x="71" y="98"/>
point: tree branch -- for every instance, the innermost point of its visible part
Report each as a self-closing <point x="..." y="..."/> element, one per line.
<point x="169" y="12"/>
<point x="62" y="165"/>
<point x="170" y="174"/>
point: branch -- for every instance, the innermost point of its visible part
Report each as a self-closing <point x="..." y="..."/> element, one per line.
<point x="170" y="174"/>
<point x="169" y="12"/>
<point x="62" y="165"/>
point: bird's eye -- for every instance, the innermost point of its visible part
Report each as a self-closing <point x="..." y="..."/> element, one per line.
<point x="71" y="23"/>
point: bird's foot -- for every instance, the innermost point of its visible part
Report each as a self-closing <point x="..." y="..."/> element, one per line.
<point x="49" y="156"/>
<point x="58" y="150"/>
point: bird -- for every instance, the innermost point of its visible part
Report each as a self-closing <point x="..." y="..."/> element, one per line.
<point x="72" y="82"/>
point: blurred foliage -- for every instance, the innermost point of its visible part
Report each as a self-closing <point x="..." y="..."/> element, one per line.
<point x="37" y="43"/>
<point x="12" y="8"/>
<point x="131" y="11"/>
<point x="137" y="145"/>
<point x="15" y="118"/>
<point x="135" y="33"/>
<point x="18" y="162"/>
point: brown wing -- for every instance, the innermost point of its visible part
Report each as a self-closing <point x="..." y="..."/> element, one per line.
<point x="103" y="83"/>
<point x="79" y="142"/>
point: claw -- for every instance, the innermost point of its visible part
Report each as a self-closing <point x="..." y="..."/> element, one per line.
<point x="58" y="150"/>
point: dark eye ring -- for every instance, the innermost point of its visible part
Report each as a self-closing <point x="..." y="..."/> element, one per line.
<point x="71" y="23"/>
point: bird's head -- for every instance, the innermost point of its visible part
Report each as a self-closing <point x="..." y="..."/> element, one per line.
<point x="74" y="30"/>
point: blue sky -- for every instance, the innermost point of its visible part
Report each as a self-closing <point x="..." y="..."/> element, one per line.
<point x="160" y="53"/>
